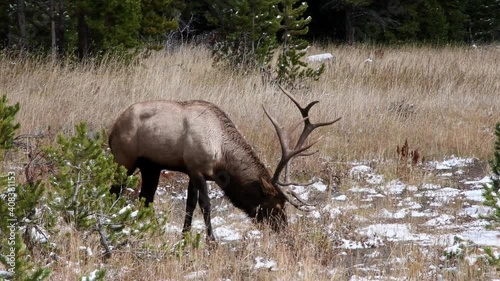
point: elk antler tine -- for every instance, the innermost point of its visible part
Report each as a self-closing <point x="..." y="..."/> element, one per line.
<point x="303" y="110"/>
<point x="297" y="197"/>
<point x="296" y="125"/>
<point x="326" y="123"/>
<point x="296" y="183"/>
<point x="302" y="149"/>
<point x="279" y="132"/>
<point x="294" y="194"/>
<point x="307" y="153"/>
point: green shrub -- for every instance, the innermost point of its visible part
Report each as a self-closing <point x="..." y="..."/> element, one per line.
<point x="492" y="195"/>
<point x="291" y="69"/>
<point x="83" y="176"/>
<point x="8" y="126"/>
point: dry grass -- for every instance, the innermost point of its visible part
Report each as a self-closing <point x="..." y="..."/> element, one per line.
<point x="444" y="101"/>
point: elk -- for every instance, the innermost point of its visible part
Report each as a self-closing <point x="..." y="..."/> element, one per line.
<point x="198" y="138"/>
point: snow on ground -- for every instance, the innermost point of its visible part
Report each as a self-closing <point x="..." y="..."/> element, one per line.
<point x="431" y="213"/>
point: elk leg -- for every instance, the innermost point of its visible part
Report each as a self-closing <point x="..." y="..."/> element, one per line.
<point x="204" y="202"/>
<point x="150" y="174"/>
<point x="192" y="197"/>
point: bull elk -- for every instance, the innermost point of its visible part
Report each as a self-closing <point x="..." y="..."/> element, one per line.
<point x="198" y="138"/>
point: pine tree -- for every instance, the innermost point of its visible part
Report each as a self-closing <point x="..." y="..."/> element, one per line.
<point x="492" y="193"/>
<point x="484" y="24"/>
<point x="433" y="24"/>
<point x="8" y="126"/>
<point x="247" y="32"/>
<point x="291" y="68"/>
<point x="456" y="18"/>
<point x="155" y="21"/>
<point x="18" y="203"/>
<point x="99" y="26"/>
<point x="83" y="177"/>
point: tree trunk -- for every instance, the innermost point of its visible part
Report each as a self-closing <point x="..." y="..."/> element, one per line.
<point x="60" y="28"/>
<point x="349" y="29"/>
<point x="83" y="40"/>
<point x="53" y="37"/>
<point x="21" y="21"/>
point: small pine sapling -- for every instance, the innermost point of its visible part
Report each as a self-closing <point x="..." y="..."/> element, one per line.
<point x="83" y="176"/>
<point x="18" y="205"/>
<point x="491" y="195"/>
<point x="291" y="69"/>
<point x="8" y="126"/>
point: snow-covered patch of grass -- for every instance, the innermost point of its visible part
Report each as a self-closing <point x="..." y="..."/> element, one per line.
<point x="261" y="262"/>
<point x="227" y="233"/>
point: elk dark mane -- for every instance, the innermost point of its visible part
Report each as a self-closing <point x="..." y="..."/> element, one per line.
<point x="242" y="165"/>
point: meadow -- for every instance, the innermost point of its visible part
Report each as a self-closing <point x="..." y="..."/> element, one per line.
<point x="444" y="102"/>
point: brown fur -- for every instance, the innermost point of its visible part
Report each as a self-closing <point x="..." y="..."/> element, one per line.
<point x="197" y="138"/>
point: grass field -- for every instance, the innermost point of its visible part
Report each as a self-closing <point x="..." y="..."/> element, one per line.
<point x="443" y="101"/>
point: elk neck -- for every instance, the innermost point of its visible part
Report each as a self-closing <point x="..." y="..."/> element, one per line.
<point x="244" y="172"/>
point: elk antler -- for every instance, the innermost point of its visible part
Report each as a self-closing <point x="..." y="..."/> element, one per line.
<point x="299" y="150"/>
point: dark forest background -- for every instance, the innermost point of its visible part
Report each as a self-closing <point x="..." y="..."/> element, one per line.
<point x="88" y="27"/>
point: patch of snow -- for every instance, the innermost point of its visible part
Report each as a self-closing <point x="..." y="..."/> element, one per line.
<point x="91" y="277"/>
<point x="359" y="172"/>
<point x="443" y="219"/>
<point x="261" y="262"/>
<point x="124" y="209"/>
<point x="301" y="190"/>
<point x="475" y="211"/>
<point x="452" y="162"/>
<point x="392" y="232"/>
<point x="445" y="194"/>
<point x="473" y="195"/>
<point x="396" y="187"/>
<point x="482" y="237"/>
<point x="480" y="183"/>
<point x="198" y="224"/>
<point x="87" y="250"/>
<point x="6" y="274"/>
<point x="352" y="245"/>
<point x="196" y="275"/>
<point x="333" y="211"/>
<point x="218" y="221"/>
<point x="375" y="179"/>
<point x="214" y="192"/>
<point x="472" y="259"/>
<point x="393" y="215"/>
<point x="375" y="254"/>
<point x="426" y="213"/>
<point x="134" y="214"/>
<point x="171" y="228"/>
<point x="314" y="214"/>
<point x="454" y="249"/>
<point x="319" y="186"/>
<point x="227" y="234"/>
<point x="340" y="198"/>
<point x="254" y="234"/>
<point x="38" y="234"/>
<point x="430" y="186"/>
<point x="320" y="57"/>
<point x="358" y="189"/>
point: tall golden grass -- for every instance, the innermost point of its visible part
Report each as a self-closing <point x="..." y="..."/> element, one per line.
<point x="444" y="101"/>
